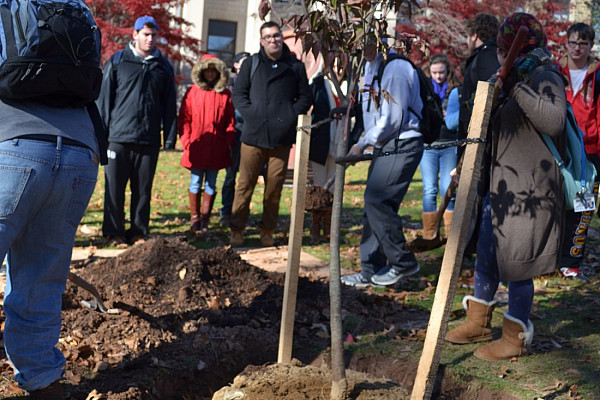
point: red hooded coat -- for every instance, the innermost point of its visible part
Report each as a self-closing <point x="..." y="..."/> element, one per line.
<point x="206" y="119"/>
<point x="586" y="110"/>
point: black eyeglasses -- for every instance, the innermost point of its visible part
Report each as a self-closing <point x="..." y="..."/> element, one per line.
<point x="273" y="37"/>
<point x="575" y="44"/>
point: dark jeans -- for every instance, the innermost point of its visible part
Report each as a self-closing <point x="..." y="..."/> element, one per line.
<point x="382" y="239"/>
<point x="487" y="276"/>
<point x="228" y="190"/>
<point x="135" y="164"/>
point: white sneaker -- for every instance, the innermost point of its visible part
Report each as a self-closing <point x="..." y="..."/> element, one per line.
<point x="390" y="274"/>
<point x="356" y="280"/>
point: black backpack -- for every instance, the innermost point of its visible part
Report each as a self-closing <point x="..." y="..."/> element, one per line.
<point x="431" y="118"/>
<point x="49" y="52"/>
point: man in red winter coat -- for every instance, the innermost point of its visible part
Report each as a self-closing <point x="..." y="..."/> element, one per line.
<point x="581" y="69"/>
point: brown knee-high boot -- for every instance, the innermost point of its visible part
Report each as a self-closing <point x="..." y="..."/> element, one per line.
<point x="315" y="227"/>
<point x="195" y="201"/>
<point x="207" y="204"/>
<point x="327" y="222"/>
<point x="448" y="221"/>
<point x="429" y="230"/>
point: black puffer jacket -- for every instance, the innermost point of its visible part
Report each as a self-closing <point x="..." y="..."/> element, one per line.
<point x="481" y="65"/>
<point x="271" y="100"/>
<point x="138" y="99"/>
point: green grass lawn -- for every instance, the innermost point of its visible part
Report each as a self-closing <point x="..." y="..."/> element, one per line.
<point x="566" y="313"/>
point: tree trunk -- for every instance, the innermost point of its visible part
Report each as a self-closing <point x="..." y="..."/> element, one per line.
<point x="339" y="386"/>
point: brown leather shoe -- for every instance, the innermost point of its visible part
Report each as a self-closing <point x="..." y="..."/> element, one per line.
<point x="52" y="392"/>
<point x="266" y="238"/>
<point x="236" y="239"/>
<point x="115" y="241"/>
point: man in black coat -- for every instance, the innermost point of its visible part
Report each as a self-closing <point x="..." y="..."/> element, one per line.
<point x="481" y="65"/>
<point x="137" y="101"/>
<point x="270" y="92"/>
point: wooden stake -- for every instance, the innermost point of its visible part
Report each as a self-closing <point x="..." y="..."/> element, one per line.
<point x="290" y="291"/>
<point x="455" y="247"/>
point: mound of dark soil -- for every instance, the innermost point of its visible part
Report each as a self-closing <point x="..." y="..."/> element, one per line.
<point x="191" y="320"/>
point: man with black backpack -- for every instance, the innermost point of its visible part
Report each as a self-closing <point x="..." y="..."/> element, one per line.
<point x="391" y="125"/>
<point x="581" y="70"/>
<point x="49" y="158"/>
<point x="270" y="92"/>
<point x="137" y="101"/>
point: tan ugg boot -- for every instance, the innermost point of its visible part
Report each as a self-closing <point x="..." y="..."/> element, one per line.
<point x="477" y="327"/>
<point x="195" y="200"/>
<point x="428" y="219"/>
<point x="516" y="338"/>
<point x="266" y="237"/>
<point x="448" y="221"/>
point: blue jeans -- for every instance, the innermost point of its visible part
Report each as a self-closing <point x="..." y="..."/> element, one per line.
<point x="436" y="163"/>
<point x="487" y="279"/>
<point x="198" y="175"/>
<point x="44" y="192"/>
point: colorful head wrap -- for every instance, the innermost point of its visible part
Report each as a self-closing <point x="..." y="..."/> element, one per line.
<point x="536" y="36"/>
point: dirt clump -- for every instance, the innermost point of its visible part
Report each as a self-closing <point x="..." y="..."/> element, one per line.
<point x="305" y="382"/>
<point x="317" y="198"/>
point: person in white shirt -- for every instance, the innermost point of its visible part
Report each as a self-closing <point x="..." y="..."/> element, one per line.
<point x="581" y="69"/>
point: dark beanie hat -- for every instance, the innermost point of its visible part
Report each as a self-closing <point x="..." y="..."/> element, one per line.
<point x="240" y="56"/>
<point x="536" y="36"/>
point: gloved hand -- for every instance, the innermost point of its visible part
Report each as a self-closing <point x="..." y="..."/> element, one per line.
<point x="339" y="112"/>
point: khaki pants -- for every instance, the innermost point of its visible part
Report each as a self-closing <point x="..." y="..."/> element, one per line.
<point x="252" y="160"/>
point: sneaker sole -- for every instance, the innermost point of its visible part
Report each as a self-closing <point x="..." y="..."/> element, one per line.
<point x="403" y="274"/>
<point x="357" y="285"/>
<point x="360" y="285"/>
<point x="364" y="285"/>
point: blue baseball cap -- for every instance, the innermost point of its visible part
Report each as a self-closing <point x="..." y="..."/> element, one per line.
<point x="142" y="21"/>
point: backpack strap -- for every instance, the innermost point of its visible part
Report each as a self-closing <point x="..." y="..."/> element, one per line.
<point x="254" y="64"/>
<point x="116" y="59"/>
<point x="570" y="125"/>
<point x="10" y="42"/>
<point x="377" y="78"/>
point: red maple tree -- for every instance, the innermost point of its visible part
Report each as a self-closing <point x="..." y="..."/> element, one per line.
<point x="439" y="26"/>
<point x="116" y="18"/>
